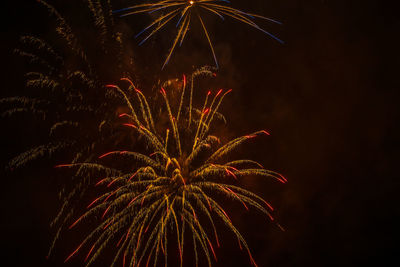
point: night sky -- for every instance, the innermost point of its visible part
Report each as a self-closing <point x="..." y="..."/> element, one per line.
<point x="329" y="97"/>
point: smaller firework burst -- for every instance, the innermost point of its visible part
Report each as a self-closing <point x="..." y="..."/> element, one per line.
<point x="168" y="191"/>
<point x="185" y="11"/>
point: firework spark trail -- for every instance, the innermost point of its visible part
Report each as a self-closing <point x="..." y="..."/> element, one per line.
<point x="173" y="8"/>
<point x="169" y="191"/>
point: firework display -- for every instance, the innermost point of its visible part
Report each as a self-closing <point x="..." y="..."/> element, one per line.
<point x="161" y="182"/>
<point x="184" y="12"/>
<point x="172" y="185"/>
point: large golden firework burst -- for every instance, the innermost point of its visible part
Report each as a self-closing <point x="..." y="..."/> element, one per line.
<point x="168" y="188"/>
<point x="184" y="11"/>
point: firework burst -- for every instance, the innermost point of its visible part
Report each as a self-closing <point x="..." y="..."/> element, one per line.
<point x="184" y="12"/>
<point x="167" y="189"/>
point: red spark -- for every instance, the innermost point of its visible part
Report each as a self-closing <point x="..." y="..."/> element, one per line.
<point x="162" y="247"/>
<point x="133" y="175"/>
<point x="105" y="212"/>
<point x="216" y="238"/>
<point x="240" y="245"/>
<point x="122" y="237"/>
<point x="63" y="165"/>
<point x="244" y="204"/>
<point x="113" y="181"/>
<point x="163" y="91"/>
<point x="267" y="133"/>
<point x="128" y="80"/>
<point x="231" y="173"/>
<point x="89" y="253"/>
<point x="112" y="86"/>
<point x="219" y="92"/>
<point x="180" y="252"/>
<point x="226" y="215"/>
<point x="80" y="218"/>
<point x="108" y="153"/>
<point x="127" y="234"/>
<point x="73" y="253"/>
<point x="123" y="115"/>
<point x="101" y="181"/>
<point x="115" y="191"/>
<point x="94" y="201"/>
<point x="132" y="200"/>
<point x="129" y="125"/>
<point x="105" y="227"/>
<point x="184" y="80"/>
<point x="212" y="249"/>
<point x="284" y="179"/>
<point x="269" y="205"/>
<point x="252" y="260"/>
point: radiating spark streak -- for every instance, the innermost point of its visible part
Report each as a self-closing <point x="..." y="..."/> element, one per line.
<point x="129" y="125"/>
<point x="73" y="253"/>
<point x="90" y="252"/>
<point x="105" y="212"/>
<point x="212" y="249"/>
<point x="244" y="204"/>
<point x="93" y="202"/>
<point x="209" y="41"/>
<point x="185" y="9"/>
<point x="181" y="28"/>
<point x="78" y="220"/>
<point x="123" y="115"/>
<point x="171" y="16"/>
<point x="63" y="165"/>
<point x="105" y="227"/>
<point x="280" y="227"/>
<point x="107" y="154"/>
<point x="185" y="29"/>
<point x="100" y="182"/>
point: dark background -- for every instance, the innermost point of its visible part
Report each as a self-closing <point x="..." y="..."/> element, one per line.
<point x="329" y="97"/>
